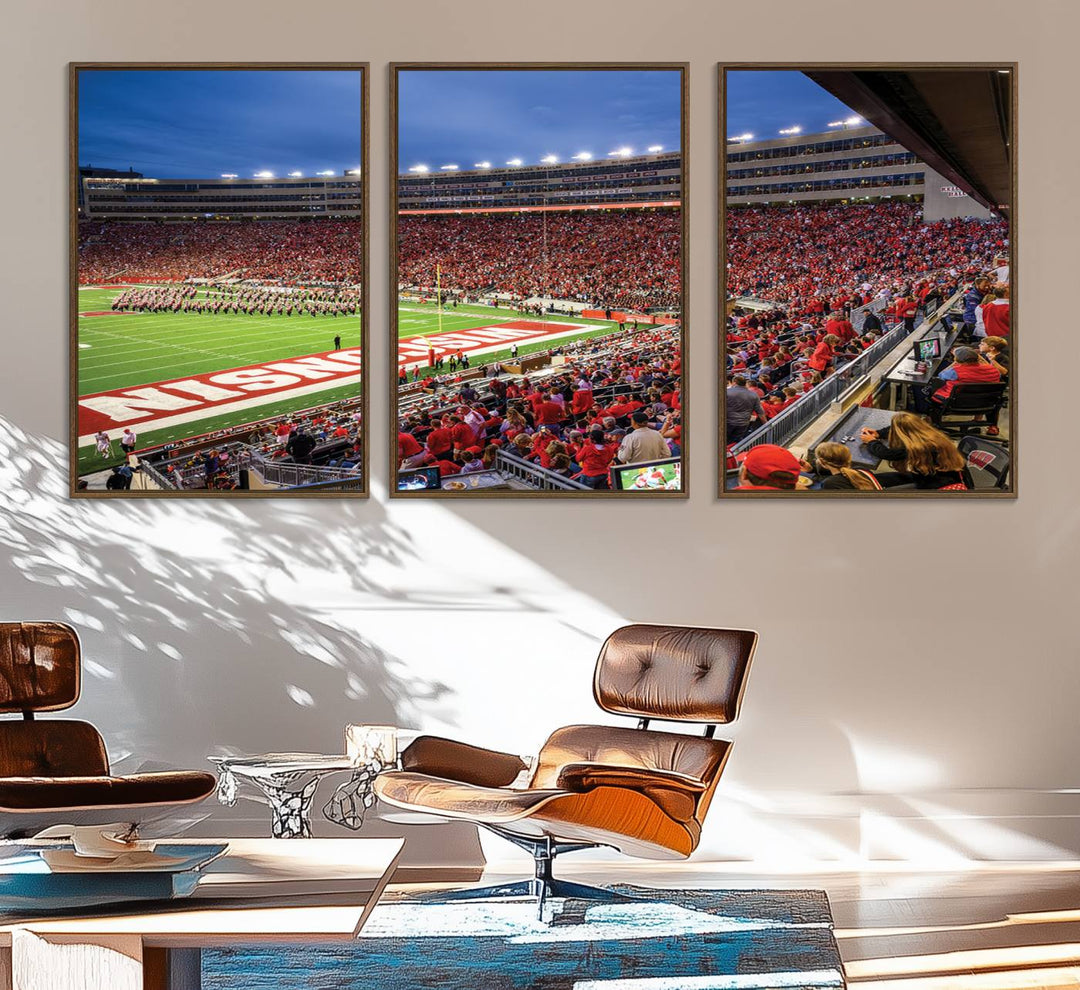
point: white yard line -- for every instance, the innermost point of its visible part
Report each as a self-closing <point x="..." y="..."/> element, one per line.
<point x="505" y="345"/>
<point x="224" y="408"/>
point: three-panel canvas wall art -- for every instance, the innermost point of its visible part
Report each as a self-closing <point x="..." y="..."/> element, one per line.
<point x="540" y="333"/>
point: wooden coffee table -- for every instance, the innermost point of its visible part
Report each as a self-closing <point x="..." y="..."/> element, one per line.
<point x="261" y="890"/>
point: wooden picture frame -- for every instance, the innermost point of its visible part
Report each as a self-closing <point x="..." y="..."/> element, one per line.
<point x="396" y="68"/>
<point x="1007" y="109"/>
<point x="358" y="488"/>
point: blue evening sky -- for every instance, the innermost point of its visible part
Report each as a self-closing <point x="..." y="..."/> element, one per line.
<point x="196" y="124"/>
<point x="465" y="116"/>
<point x="763" y="102"/>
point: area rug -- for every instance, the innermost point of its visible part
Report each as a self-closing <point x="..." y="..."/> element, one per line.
<point x="660" y="940"/>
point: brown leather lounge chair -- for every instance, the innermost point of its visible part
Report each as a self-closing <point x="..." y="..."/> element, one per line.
<point x="643" y="792"/>
<point x="56" y="771"/>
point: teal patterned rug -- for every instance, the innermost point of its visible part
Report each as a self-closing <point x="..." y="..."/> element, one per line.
<point x="662" y="940"/>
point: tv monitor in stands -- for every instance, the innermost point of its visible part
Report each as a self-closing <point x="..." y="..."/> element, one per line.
<point x="928" y="349"/>
<point x="421" y="479"/>
<point x="653" y="476"/>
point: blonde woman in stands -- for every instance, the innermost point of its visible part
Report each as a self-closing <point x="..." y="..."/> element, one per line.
<point x="995" y="351"/>
<point x="834" y="462"/>
<point x="920" y="454"/>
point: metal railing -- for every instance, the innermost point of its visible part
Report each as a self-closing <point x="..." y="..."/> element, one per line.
<point x="781" y="429"/>
<point x="151" y="471"/>
<point x="858" y="314"/>
<point x="290" y="475"/>
<point x="352" y="483"/>
<point x="285" y="474"/>
<point x="535" y="476"/>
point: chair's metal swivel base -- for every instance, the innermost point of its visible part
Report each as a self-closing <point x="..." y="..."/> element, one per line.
<point x="543" y="884"/>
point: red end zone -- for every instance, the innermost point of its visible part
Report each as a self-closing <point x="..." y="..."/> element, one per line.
<point x="479" y="340"/>
<point x="188" y="399"/>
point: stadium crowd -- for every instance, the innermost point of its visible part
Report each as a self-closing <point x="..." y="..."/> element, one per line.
<point x="852" y="251"/>
<point x="287" y="251"/>
<point x="324" y="436"/>
<point x="615" y="400"/>
<point x="879" y="257"/>
<point x="625" y="260"/>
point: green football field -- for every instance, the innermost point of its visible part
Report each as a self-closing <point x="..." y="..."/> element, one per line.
<point x="124" y="350"/>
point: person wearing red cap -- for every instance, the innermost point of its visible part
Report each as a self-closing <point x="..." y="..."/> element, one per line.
<point x="768" y="468"/>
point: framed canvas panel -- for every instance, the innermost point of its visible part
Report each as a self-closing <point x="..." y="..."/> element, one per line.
<point x="868" y="280"/>
<point x="218" y="217"/>
<point x="538" y="219"/>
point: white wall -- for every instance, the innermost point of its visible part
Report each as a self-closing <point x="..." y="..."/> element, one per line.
<point x="942" y="200"/>
<point x="916" y="689"/>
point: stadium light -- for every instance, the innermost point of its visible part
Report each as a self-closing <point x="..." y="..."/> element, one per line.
<point x="623" y="152"/>
<point x="448" y="168"/>
<point x="655" y="149"/>
<point x="296" y="175"/>
<point x="328" y="171"/>
<point x="419" y="168"/>
<point x="482" y="165"/>
<point x="229" y="175"/>
<point x="796" y="129"/>
<point x="852" y="121"/>
<point x="583" y="156"/>
<point x="742" y="137"/>
<point x="550" y="159"/>
<point x="515" y="162"/>
<point x="264" y="175"/>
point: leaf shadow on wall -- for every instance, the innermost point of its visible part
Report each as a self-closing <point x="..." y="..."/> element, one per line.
<point x="196" y="636"/>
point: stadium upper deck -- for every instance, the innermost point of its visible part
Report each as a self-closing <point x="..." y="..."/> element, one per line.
<point x="106" y="198"/>
<point x="644" y="180"/>
<point x="860" y="161"/>
<point x="839" y="166"/>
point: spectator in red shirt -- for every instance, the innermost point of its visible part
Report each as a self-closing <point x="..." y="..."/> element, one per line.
<point x="409" y="452"/>
<point x="547" y="413"/>
<point x="440" y="442"/>
<point x="582" y="400"/>
<point x="996" y="313"/>
<point x="825" y="353"/>
<point x="595" y="457"/>
<point x="968" y="368"/>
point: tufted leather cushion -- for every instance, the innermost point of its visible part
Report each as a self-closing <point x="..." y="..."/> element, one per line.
<point x="678" y="673"/>
<point x="619" y="746"/>
<point x="51" y="748"/>
<point x="39" y="666"/>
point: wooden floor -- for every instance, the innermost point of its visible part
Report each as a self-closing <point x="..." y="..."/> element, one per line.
<point x="1007" y="926"/>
